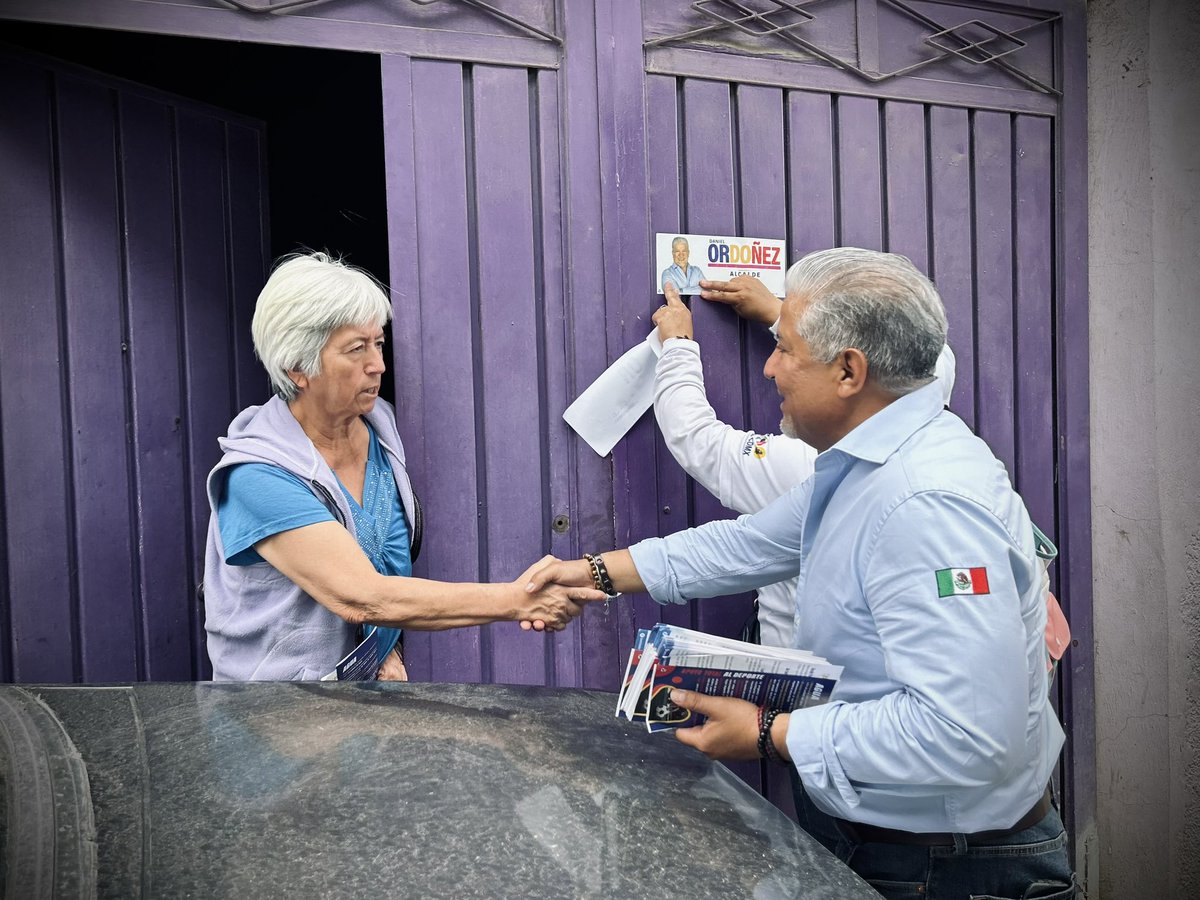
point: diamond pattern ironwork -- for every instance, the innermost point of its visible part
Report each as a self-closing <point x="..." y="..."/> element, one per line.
<point x="748" y="19"/>
<point x="285" y="7"/>
<point x="761" y="22"/>
<point x="973" y="51"/>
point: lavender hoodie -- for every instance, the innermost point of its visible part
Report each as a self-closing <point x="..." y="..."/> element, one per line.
<point x="261" y="626"/>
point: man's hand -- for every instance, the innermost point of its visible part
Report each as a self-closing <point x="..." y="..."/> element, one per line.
<point x="551" y="570"/>
<point x="549" y="603"/>
<point x="549" y="573"/>
<point x="747" y="295"/>
<point x="575" y="576"/>
<point x="393" y="667"/>
<point x="731" y="731"/>
<point x="674" y="319"/>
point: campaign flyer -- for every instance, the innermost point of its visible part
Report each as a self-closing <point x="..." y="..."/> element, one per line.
<point x="685" y="259"/>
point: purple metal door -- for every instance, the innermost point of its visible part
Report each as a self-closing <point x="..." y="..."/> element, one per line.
<point x="933" y="129"/>
<point x="131" y="250"/>
<point x="531" y="154"/>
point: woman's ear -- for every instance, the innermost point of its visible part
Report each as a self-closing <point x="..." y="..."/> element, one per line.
<point x="299" y="379"/>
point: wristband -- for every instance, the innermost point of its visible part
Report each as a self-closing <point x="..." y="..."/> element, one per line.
<point x="766" y="746"/>
<point x="600" y="577"/>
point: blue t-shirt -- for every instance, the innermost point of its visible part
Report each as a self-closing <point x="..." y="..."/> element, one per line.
<point x="258" y="500"/>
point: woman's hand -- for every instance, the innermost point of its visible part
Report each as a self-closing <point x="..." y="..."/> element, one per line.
<point x="393" y="667"/>
<point x="674" y="320"/>
<point x="748" y="296"/>
<point x="548" y="603"/>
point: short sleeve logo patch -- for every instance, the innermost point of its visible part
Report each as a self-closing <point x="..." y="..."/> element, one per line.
<point x="951" y="582"/>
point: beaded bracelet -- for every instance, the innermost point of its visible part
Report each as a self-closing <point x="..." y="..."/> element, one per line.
<point x="766" y="746"/>
<point x="600" y="575"/>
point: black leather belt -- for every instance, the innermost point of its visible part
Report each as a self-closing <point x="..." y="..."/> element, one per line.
<point x="874" y="834"/>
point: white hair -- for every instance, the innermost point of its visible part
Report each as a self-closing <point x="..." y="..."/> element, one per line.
<point x="307" y="298"/>
<point x="879" y="303"/>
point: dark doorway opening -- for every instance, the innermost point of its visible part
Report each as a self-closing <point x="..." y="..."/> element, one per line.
<point x="324" y="115"/>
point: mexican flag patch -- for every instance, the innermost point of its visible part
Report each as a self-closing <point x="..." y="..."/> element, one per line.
<point x="961" y="581"/>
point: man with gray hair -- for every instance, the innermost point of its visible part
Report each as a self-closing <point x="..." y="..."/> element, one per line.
<point x="928" y="771"/>
<point x="680" y="272"/>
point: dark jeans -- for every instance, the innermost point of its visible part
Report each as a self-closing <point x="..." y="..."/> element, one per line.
<point x="1028" y="864"/>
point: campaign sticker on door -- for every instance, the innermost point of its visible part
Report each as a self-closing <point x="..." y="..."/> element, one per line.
<point x="684" y="259"/>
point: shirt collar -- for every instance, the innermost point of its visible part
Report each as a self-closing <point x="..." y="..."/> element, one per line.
<point x="883" y="433"/>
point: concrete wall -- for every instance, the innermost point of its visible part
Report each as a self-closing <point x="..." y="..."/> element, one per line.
<point x="1144" y="182"/>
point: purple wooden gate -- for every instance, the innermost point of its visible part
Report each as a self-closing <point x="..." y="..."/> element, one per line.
<point x="534" y="147"/>
<point x="131" y="250"/>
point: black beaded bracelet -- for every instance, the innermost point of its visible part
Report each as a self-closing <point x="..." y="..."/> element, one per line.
<point x="766" y="746"/>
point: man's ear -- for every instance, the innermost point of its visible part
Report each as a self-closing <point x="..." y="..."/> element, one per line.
<point x="852" y="372"/>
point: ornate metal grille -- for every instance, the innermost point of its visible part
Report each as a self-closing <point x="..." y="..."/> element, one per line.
<point x="977" y="42"/>
<point x="285" y="7"/>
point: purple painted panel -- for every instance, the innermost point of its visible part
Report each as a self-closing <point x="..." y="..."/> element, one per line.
<point x="762" y="171"/>
<point x="710" y="197"/>
<point x="994" y="390"/>
<point x="405" y="265"/>
<point x="907" y="192"/>
<point x="450" y="348"/>
<point x="607" y="245"/>
<point x="41" y="628"/>
<point x="92" y="290"/>
<point x="509" y="359"/>
<point x="152" y="310"/>
<point x="566" y="647"/>
<point x="953" y="263"/>
<point x="860" y="193"/>
<point x="762" y="191"/>
<point x="664" y="481"/>
<point x="812" y="205"/>
<point x="207" y="329"/>
<point x="680" y="62"/>
<point x="114" y="551"/>
<point x="1034" y="271"/>
<point x="710" y="192"/>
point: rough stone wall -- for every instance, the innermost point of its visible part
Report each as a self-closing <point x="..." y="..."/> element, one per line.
<point x="1144" y="220"/>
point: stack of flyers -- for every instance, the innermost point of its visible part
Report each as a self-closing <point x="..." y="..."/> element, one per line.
<point x="667" y="656"/>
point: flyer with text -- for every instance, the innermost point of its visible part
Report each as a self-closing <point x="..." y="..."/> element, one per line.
<point x="685" y="259"/>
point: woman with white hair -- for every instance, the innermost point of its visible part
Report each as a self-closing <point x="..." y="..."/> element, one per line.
<point x="314" y="524"/>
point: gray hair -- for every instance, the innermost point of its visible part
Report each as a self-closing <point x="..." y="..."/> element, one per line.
<point x="307" y="298"/>
<point x="879" y="303"/>
<point x="679" y="239"/>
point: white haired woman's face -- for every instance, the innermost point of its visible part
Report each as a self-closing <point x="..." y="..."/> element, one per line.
<point x="352" y="367"/>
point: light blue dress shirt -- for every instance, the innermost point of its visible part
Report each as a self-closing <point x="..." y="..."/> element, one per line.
<point x="942" y="720"/>
<point x="686" y="282"/>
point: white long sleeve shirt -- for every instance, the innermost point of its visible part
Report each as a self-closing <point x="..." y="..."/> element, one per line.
<point x="744" y="470"/>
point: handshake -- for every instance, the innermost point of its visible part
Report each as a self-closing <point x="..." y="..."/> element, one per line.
<point x="555" y="591"/>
